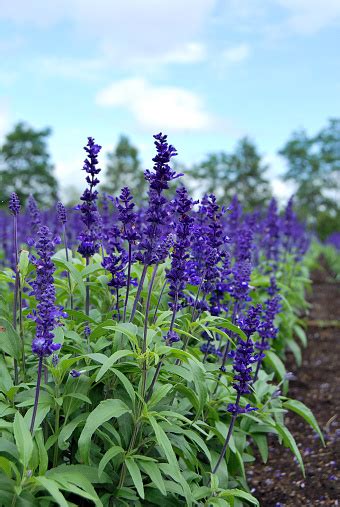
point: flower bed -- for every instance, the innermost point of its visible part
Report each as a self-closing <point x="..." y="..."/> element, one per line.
<point x="143" y="356"/>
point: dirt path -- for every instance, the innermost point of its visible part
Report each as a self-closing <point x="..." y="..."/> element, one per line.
<point x="317" y="384"/>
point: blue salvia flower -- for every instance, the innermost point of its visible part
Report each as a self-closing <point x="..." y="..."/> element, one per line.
<point x="243" y="359"/>
<point x="267" y="330"/>
<point x="61" y="213"/>
<point x="47" y="315"/>
<point x="177" y="275"/>
<point x="234" y="218"/>
<point x="34" y="213"/>
<point x="75" y="373"/>
<point x="115" y="263"/>
<point x="271" y="232"/>
<point x="90" y="236"/>
<point x="241" y="270"/>
<point x="127" y="216"/>
<point x="157" y="213"/>
<point x="14" y="204"/>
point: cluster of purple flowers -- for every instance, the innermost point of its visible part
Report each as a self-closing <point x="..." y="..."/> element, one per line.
<point x="151" y="247"/>
<point x="47" y="315"/>
<point x="90" y="236"/>
<point x="212" y="254"/>
<point x="243" y="359"/>
<point x="177" y="275"/>
<point x="14" y="204"/>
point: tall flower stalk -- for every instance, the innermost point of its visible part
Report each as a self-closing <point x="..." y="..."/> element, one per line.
<point x="90" y="236"/>
<point x="243" y="359"/>
<point x="62" y="218"/>
<point x="14" y="207"/>
<point x="127" y="217"/>
<point x="267" y="330"/>
<point x="151" y="248"/>
<point x="47" y="314"/>
<point x="177" y="275"/>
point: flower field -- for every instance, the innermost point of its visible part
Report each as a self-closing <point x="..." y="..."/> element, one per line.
<point x="143" y="348"/>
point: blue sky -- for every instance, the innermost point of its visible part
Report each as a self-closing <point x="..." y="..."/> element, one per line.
<point x="204" y="71"/>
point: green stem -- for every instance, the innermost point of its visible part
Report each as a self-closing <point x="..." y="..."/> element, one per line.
<point x="56" y="428"/>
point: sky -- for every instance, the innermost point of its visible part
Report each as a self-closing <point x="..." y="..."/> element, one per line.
<point x="206" y="72"/>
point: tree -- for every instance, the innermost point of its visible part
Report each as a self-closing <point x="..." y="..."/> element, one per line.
<point x="25" y="166"/>
<point x="241" y="173"/>
<point x="314" y="166"/>
<point x="248" y="181"/>
<point x="124" y="169"/>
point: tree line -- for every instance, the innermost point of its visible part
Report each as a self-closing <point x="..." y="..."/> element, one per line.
<point x="312" y="164"/>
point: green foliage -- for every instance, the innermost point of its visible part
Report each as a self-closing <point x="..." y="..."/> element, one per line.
<point x="99" y="441"/>
<point x="240" y="173"/>
<point x="124" y="169"/>
<point x="314" y="166"/>
<point x="25" y="166"/>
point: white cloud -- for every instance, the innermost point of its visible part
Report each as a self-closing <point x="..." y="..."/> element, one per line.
<point x="236" y="54"/>
<point x="157" y="107"/>
<point x="310" y="16"/>
<point x="74" y="68"/>
<point x="191" y="52"/>
<point x="282" y="190"/>
<point x="125" y="30"/>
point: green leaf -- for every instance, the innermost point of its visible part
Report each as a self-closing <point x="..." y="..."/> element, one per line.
<point x="300" y="332"/>
<point x="159" y="394"/>
<point x="220" y="502"/>
<point x="67" y="430"/>
<point x="52" y="488"/>
<point x="165" y="444"/>
<point x="262" y="444"/>
<point x="238" y="493"/>
<point x="200" y="383"/>
<point x="23" y="439"/>
<point x="111" y="361"/>
<point x="105" y="411"/>
<point x="126" y="383"/>
<point x="9" y="339"/>
<point x="188" y="393"/>
<point x="152" y="470"/>
<point x="75" y="482"/>
<point x="128" y="329"/>
<point x="91" y="268"/>
<point x="111" y="453"/>
<point x="23" y="264"/>
<point x="42" y="412"/>
<point x="276" y="364"/>
<point x="6" y="381"/>
<point x="91" y="473"/>
<point x="136" y="476"/>
<point x="198" y="440"/>
<point x="300" y="408"/>
<point x="8" y="448"/>
<point x="289" y="441"/>
<point x="75" y="274"/>
<point x="43" y="456"/>
<point x="296" y="351"/>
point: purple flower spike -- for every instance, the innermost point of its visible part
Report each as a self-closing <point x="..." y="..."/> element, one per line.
<point x="48" y="314"/>
<point x="14" y="204"/>
<point x="90" y="236"/>
<point x="61" y="213"/>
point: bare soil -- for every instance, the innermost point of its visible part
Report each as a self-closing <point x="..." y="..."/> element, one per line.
<point x="280" y="482"/>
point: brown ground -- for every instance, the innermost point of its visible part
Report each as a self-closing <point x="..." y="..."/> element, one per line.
<point x="280" y="483"/>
